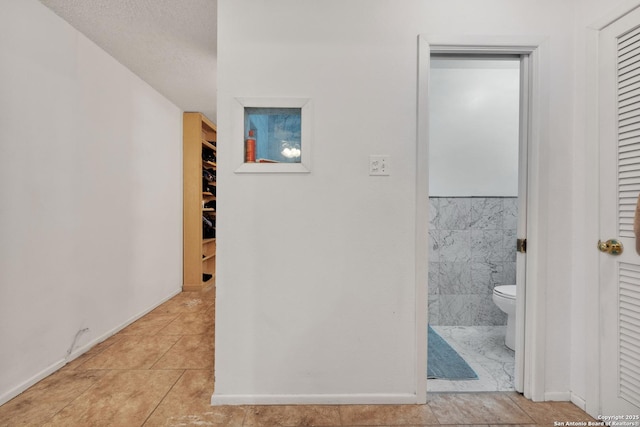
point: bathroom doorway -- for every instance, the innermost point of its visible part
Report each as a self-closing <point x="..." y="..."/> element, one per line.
<point x="477" y="213"/>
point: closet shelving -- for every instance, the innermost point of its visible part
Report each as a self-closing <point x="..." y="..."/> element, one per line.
<point x="199" y="246"/>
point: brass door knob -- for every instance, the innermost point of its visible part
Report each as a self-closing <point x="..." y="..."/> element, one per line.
<point x="611" y="246"/>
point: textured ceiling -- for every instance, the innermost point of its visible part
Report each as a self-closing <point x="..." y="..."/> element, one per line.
<point x="170" y="44"/>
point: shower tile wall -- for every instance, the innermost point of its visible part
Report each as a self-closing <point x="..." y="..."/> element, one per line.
<point x="472" y="248"/>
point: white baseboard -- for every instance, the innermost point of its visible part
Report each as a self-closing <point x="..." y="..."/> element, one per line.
<point x="81" y="350"/>
<point x="578" y="401"/>
<point x="557" y="396"/>
<point x="10" y="394"/>
<point x="313" y="399"/>
<point x="4" y="398"/>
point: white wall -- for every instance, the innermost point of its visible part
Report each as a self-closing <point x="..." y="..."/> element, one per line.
<point x="473" y="127"/>
<point x="327" y="312"/>
<point x="90" y="187"/>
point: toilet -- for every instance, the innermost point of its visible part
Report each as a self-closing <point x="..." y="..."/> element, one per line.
<point x="504" y="297"/>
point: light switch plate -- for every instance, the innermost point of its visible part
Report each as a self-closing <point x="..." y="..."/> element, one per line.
<point x="379" y="164"/>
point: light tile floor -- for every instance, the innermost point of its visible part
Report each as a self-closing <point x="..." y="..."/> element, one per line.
<point x="159" y="372"/>
<point x="482" y="347"/>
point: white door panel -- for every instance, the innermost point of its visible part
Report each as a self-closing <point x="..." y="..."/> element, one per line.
<point x="619" y="135"/>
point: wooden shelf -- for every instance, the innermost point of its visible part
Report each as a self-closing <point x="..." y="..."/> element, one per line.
<point x="211" y="165"/>
<point x="198" y="133"/>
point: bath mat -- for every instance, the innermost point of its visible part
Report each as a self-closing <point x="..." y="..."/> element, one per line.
<point x="443" y="362"/>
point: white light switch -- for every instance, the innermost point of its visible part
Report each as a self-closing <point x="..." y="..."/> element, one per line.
<point x="378" y="164"/>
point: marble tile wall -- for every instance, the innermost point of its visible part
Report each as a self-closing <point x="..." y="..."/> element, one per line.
<point x="472" y="248"/>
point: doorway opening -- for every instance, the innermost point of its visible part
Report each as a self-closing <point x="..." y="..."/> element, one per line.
<point x="474" y="212"/>
<point x="530" y="337"/>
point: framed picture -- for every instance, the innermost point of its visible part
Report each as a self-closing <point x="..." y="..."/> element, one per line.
<point x="272" y="135"/>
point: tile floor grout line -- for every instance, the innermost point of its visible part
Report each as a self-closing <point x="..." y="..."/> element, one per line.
<point x="157" y="333"/>
<point x="169" y="324"/>
<point x="431" y="409"/>
<point x="499" y="393"/>
<point x="163" y="354"/>
<point x="163" y="397"/>
<point x="145" y="334"/>
<point x="244" y="417"/>
<point x="94" y="355"/>
<point x="509" y="396"/>
<point x="77" y="397"/>
<point x="534" y="421"/>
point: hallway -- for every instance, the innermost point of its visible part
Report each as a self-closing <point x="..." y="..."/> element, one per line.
<point x="159" y="372"/>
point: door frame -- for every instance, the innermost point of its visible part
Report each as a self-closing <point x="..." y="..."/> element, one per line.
<point x="530" y="372"/>
<point x="593" y="399"/>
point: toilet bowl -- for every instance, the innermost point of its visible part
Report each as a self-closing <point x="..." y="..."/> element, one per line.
<point x="505" y="298"/>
